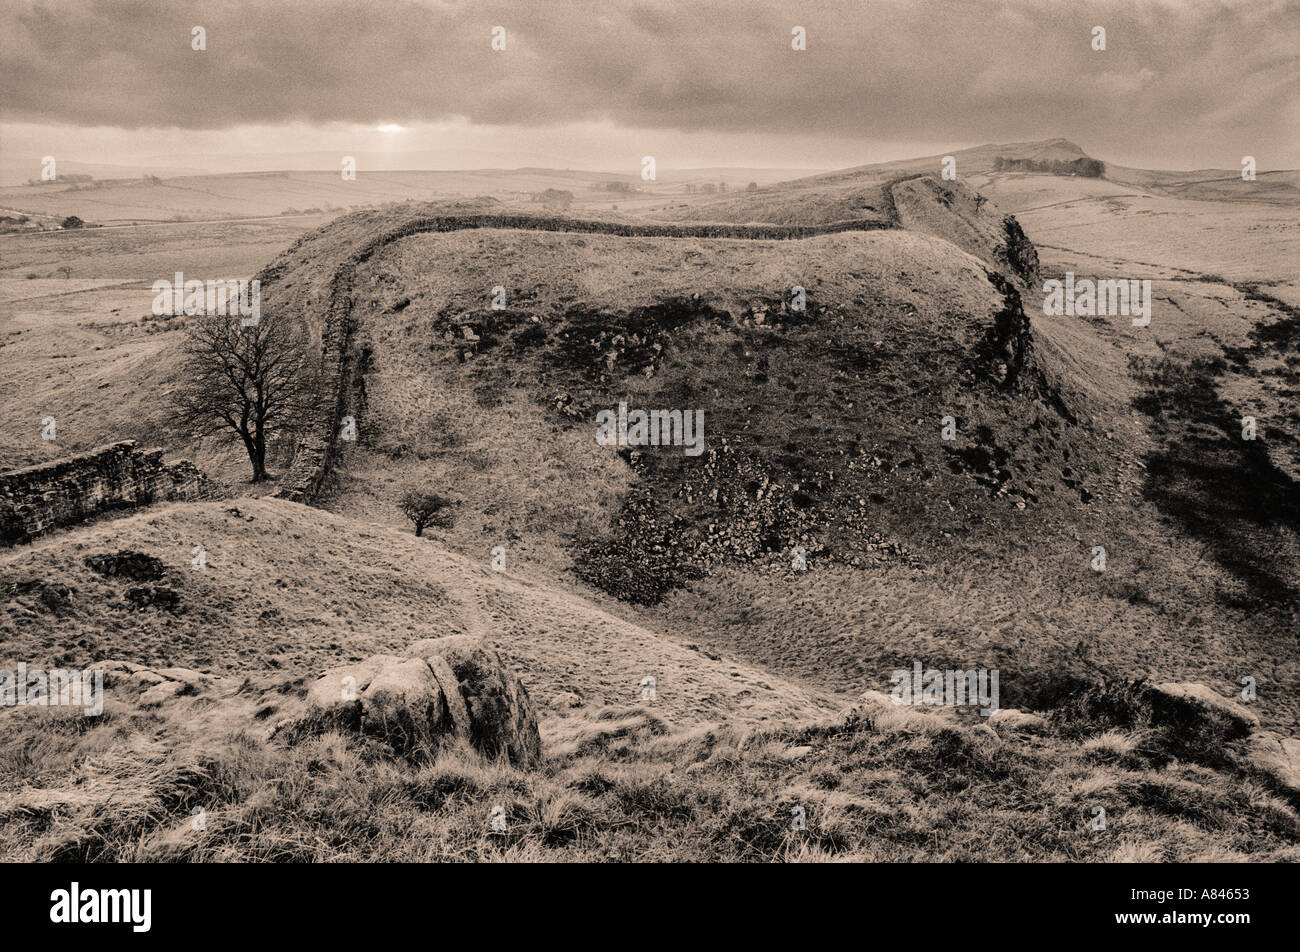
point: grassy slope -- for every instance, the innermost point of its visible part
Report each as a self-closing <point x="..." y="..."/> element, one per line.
<point x="979" y="579"/>
<point x="711" y="770"/>
<point x="290" y="588"/>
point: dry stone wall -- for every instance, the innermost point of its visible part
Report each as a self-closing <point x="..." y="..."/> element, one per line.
<point x="38" y="499"/>
<point x="315" y="454"/>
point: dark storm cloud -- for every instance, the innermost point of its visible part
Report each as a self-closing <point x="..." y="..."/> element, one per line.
<point x="970" y="69"/>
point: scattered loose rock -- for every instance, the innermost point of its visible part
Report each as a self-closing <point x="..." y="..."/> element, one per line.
<point x="146" y="677"/>
<point x="51" y="596"/>
<point x="185" y="675"/>
<point x="125" y="563"/>
<point x="157" y="596"/>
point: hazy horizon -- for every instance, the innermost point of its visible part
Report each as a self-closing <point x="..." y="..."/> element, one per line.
<point x="1201" y="84"/>
<point x="17" y="169"/>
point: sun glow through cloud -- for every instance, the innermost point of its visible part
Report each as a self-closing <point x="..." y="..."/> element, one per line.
<point x="390" y="127"/>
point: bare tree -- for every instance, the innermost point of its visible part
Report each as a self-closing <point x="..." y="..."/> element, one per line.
<point x="242" y="382"/>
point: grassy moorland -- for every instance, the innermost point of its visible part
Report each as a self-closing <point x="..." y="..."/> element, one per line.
<point x="711" y="769"/>
<point x="623" y="786"/>
<point x="824" y="432"/>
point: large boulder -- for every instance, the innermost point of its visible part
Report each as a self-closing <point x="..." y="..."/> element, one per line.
<point x="441" y="688"/>
<point x="1194" y="708"/>
<point x="405" y="705"/>
<point x="1276" y="756"/>
<point x="456" y="706"/>
<point x="1009" y="719"/>
<point x="500" y="715"/>
<point x="335" y="697"/>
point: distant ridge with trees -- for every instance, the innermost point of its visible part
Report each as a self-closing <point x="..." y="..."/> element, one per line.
<point x="1085" y="166"/>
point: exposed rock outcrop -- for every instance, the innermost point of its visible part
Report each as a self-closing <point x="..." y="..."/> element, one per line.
<point x="1010" y="719"/>
<point x="1277" y="757"/>
<point x="1020" y="252"/>
<point x="956" y="213"/>
<point x="1195" y="708"/>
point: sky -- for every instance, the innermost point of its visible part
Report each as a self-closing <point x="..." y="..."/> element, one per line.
<point x="597" y="85"/>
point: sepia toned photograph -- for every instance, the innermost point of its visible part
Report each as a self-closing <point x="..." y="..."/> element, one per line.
<point x="631" y="432"/>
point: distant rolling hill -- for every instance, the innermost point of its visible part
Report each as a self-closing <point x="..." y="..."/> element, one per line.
<point x="118" y="199"/>
<point x="677" y="194"/>
<point x="856" y="192"/>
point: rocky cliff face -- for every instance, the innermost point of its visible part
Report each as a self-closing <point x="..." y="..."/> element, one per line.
<point x="954" y="212"/>
<point x="38" y="499"/>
